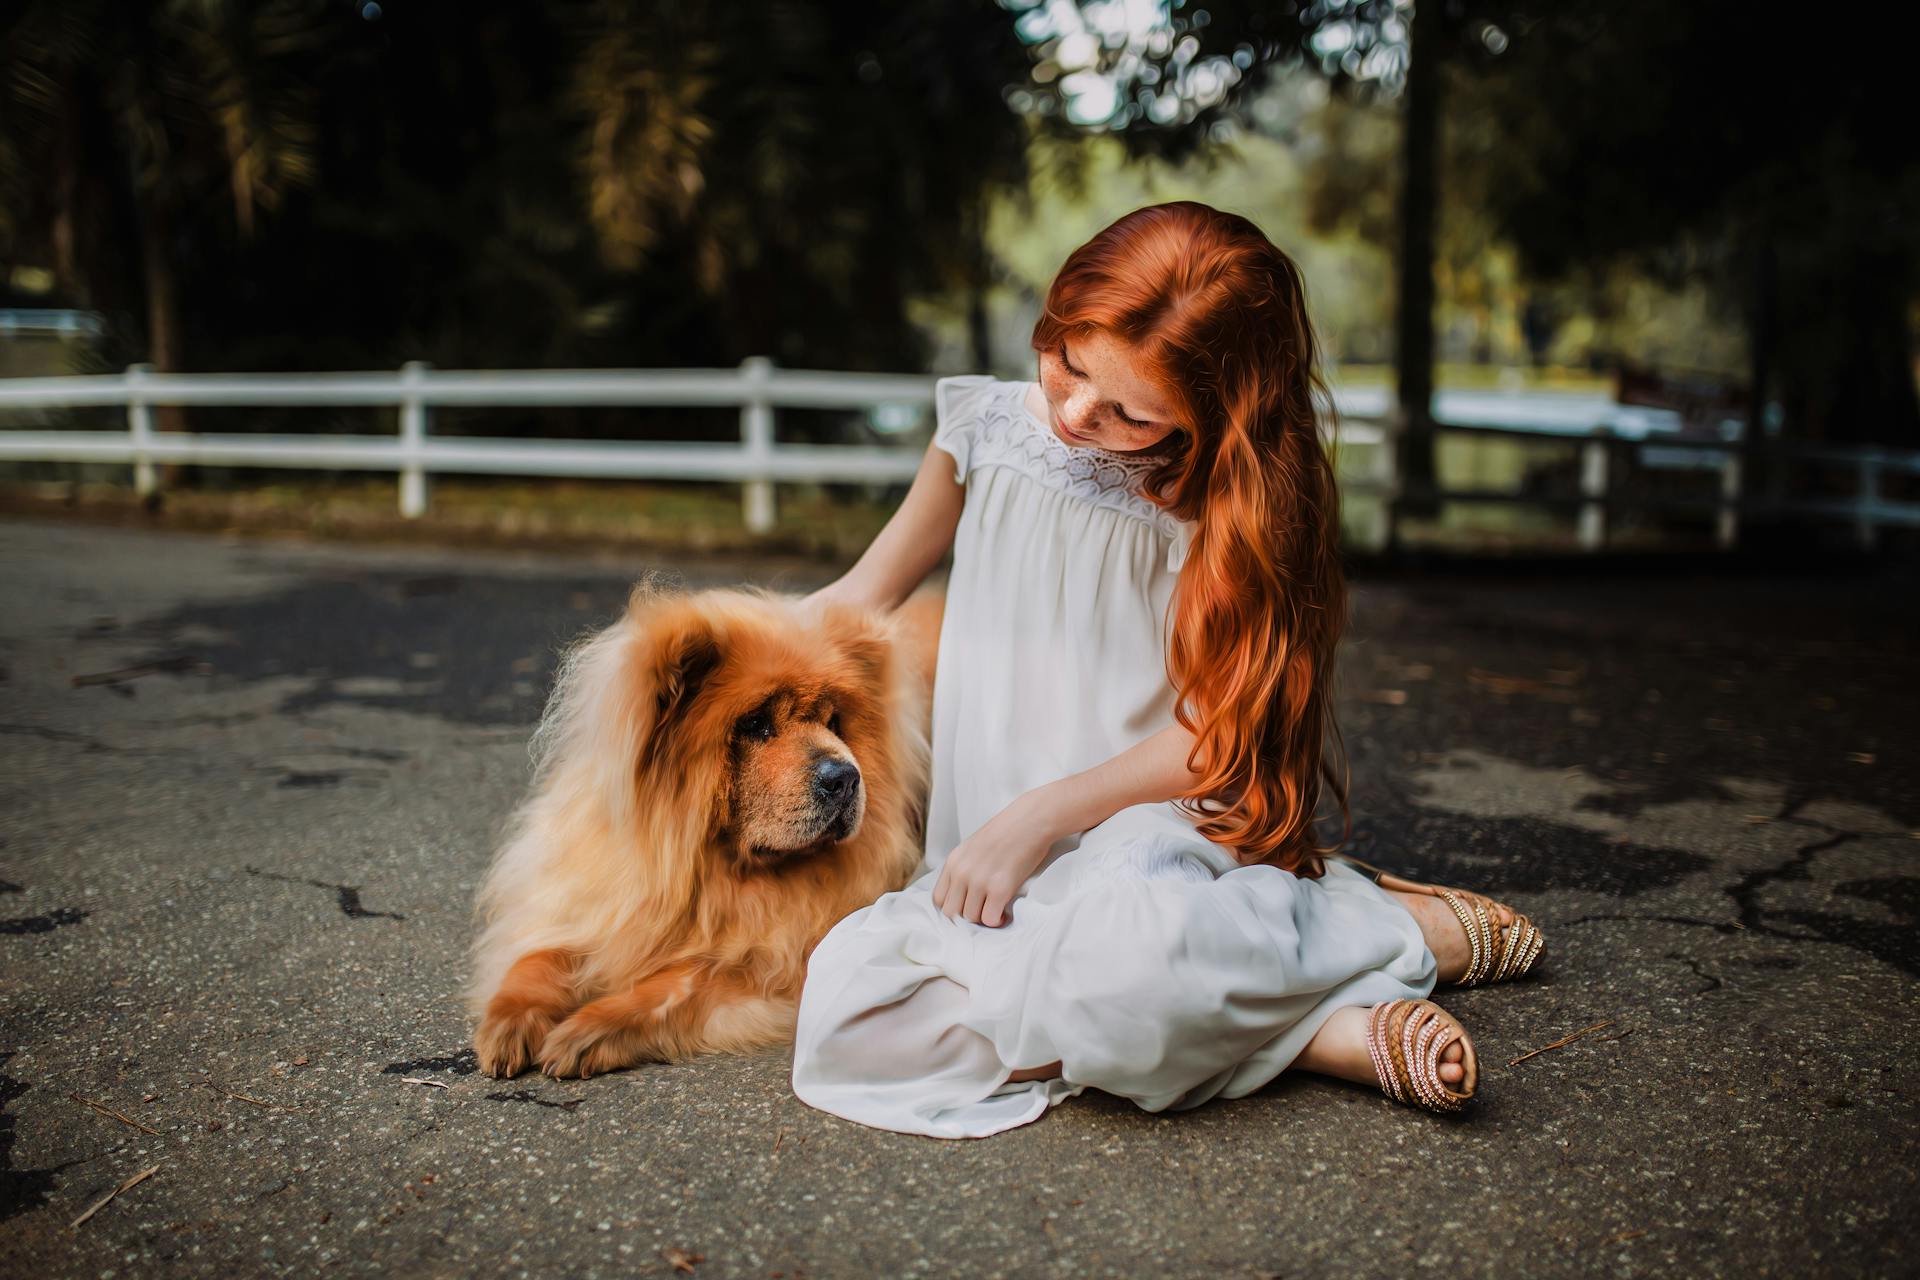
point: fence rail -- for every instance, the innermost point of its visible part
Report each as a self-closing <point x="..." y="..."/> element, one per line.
<point x="1607" y="437"/>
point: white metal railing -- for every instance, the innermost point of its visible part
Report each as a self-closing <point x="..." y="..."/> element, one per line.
<point x="1602" y="452"/>
<point x="1602" y="431"/>
<point x="756" y="387"/>
<point x="60" y="323"/>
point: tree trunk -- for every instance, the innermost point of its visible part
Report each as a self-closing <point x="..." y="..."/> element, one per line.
<point x="163" y="312"/>
<point x="1845" y="369"/>
<point x="65" y="232"/>
<point x="979" y="331"/>
<point x="1413" y="322"/>
<point x="1759" y="472"/>
<point x="979" y="272"/>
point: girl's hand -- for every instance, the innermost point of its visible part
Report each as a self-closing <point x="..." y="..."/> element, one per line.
<point x="984" y="871"/>
<point x="841" y="591"/>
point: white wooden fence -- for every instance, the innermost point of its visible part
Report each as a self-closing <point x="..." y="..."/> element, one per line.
<point x="1605" y="435"/>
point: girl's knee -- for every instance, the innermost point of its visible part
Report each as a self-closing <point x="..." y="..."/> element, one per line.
<point x="920" y="1035"/>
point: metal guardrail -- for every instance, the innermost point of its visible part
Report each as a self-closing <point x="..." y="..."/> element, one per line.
<point x="59" y="323"/>
<point x="758" y="389"/>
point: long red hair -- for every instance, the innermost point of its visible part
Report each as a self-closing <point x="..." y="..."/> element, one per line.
<point x="1216" y="316"/>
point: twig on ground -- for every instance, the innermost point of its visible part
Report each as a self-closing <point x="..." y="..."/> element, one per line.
<point x="110" y="1113"/>
<point x="1563" y="1040"/>
<point x="268" y="1106"/>
<point x="100" y="1204"/>
<point x="431" y="1084"/>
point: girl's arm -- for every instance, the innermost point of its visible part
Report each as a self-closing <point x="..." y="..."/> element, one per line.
<point x="983" y="872"/>
<point x="1150" y="771"/>
<point x="911" y="544"/>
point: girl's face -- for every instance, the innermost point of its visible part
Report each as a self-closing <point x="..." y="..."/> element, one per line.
<point x="1094" y="400"/>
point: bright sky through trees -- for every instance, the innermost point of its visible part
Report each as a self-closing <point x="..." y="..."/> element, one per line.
<point x="1113" y="62"/>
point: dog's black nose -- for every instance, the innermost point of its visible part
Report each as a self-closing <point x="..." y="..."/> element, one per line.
<point x="834" y="781"/>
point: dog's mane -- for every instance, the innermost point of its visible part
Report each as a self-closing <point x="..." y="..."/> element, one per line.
<point x="586" y="866"/>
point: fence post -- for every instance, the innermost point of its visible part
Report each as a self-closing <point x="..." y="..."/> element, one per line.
<point x="756" y="433"/>
<point x="1865" y="530"/>
<point x="146" y="479"/>
<point x="1386" y="473"/>
<point x="1594" y="477"/>
<point x="1726" y="529"/>
<point x="413" y="439"/>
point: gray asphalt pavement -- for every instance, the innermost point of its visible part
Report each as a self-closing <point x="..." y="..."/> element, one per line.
<point x="247" y="789"/>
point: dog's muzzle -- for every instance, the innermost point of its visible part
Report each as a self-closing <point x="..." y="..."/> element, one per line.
<point x="836" y="795"/>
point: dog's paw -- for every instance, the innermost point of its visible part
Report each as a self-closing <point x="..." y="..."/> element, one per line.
<point x="507" y="1044"/>
<point x="585" y="1046"/>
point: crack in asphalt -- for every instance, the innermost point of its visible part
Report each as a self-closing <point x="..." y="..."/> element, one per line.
<point x="56" y="919"/>
<point x="1719" y="926"/>
<point x="463" y="1063"/>
<point x="528" y="1095"/>
<point x="1894" y="944"/>
<point x="349" y="895"/>
<point x="1713" y="983"/>
<point x="89" y="744"/>
<point x="20" y="1189"/>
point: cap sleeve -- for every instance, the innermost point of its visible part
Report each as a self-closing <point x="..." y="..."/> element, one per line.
<point x="956" y="417"/>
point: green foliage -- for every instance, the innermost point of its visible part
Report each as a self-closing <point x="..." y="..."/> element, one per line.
<point x="121" y="119"/>
<point x="1764" y="160"/>
<point x="582" y="182"/>
<point x="1773" y="161"/>
<point x="325" y="184"/>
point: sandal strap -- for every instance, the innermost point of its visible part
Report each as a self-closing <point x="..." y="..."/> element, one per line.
<point x="1479" y="929"/>
<point x="1404" y="1041"/>
<point x="1378" y="1050"/>
<point x="1498" y="952"/>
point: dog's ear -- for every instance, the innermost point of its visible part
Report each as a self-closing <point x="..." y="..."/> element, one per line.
<point x="686" y="652"/>
<point x="681" y="648"/>
<point x="861" y="639"/>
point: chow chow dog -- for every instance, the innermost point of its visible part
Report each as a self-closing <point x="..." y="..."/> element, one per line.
<point x="719" y="777"/>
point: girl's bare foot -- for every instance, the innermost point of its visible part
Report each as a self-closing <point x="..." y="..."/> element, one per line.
<point x="1339" y="1048"/>
<point x="1442" y="931"/>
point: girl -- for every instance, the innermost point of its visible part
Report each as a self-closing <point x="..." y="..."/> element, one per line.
<point x="1122" y="888"/>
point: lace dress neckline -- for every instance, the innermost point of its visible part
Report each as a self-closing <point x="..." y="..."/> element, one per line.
<point x="1136" y="462"/>
<point x="1009" y="434"/>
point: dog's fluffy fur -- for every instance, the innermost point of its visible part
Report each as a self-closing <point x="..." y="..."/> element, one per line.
<point x="719" y="778"/>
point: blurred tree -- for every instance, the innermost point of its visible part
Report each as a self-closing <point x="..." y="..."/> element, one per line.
<point x="127" y="126"/>
<point x="812" y="160"/>
<point x="1777" y="157"/>
<point x="1184" y="85"/>
<point x="610" y="181"/>
<point x="587" y="181"/>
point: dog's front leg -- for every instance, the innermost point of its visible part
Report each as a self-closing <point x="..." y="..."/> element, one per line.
<point x="537" y="992"/>
<point x="653" y="1020"/>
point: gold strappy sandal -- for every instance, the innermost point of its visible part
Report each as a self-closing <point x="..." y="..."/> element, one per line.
<point x="1499" y="953"/>
<point x="1405" y="1039"/>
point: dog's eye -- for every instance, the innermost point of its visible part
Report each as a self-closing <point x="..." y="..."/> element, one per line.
<point x="833" y="724"/>
<point x="757" y="724"/>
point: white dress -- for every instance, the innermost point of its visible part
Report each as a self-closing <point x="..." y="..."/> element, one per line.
<point x="1140" y="955"/>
